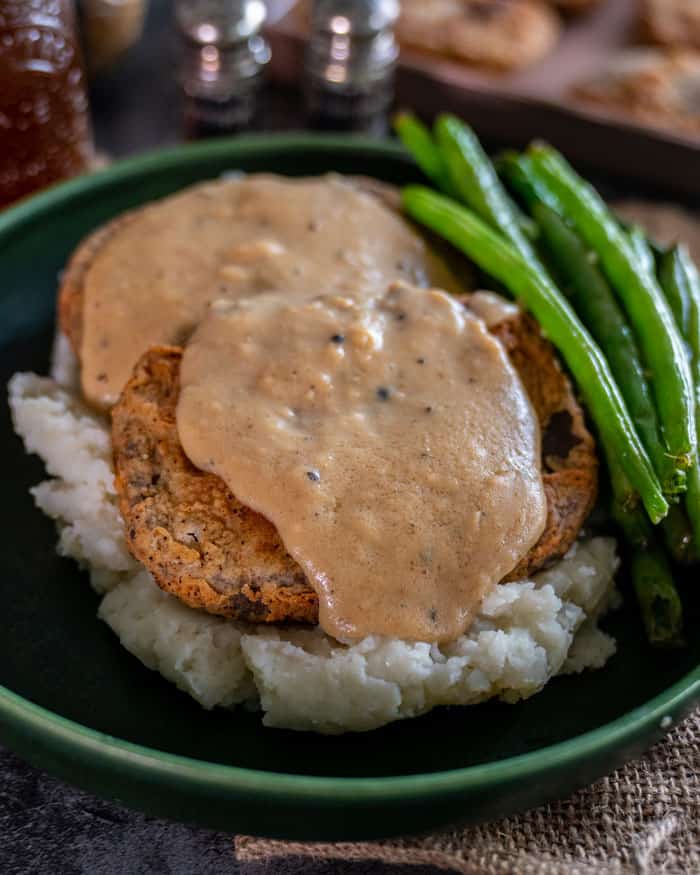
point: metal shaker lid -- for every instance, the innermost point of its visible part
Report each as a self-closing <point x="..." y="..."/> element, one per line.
<point x="354" y="18"/>
<point x="220" y="22"/>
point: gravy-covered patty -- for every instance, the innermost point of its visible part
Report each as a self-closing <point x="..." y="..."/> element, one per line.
<point x="148" y="278"/>
<point x="390" y="442"/>
<point x="204" y="546"/>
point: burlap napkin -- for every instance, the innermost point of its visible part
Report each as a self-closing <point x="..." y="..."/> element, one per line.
<point x="643" y="819"/>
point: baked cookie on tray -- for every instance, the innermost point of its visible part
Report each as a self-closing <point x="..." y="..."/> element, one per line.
<point x="653" y="86"/>
<point x="496" y="34"/>
<point x="674" y="23"/>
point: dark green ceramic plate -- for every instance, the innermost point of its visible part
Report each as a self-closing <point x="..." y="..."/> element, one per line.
<point x="76" y="703"/>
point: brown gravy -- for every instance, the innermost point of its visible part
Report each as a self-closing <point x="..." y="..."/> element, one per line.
<point x="390" y="441"/>
<point x="153" y="280"/>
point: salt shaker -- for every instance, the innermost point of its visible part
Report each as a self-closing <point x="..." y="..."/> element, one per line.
<point x="224" y="55"/>
<point x="350" y="62"/>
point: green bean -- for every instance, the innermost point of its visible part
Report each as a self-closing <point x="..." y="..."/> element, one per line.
<point x="585" y="361"/>
<point x="476" y="182"/>
<point x="674" y="282"/>
<point x="642" y="250"/>
<point x="678" y="535"/>
<point x="594" y="301"/>
<point x="656" y="593"/>
<point x="689" y="279"/>
<point x="657" y="596"/>
<point x="692" y="504"/>
<point x="642" y="299"/>
<point x="519" y="174"/>
<point x="624" y="504"/>
<point x="418" y="140"/>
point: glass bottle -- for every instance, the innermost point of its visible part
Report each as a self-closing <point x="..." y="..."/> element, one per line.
<point x="45" y="133"/>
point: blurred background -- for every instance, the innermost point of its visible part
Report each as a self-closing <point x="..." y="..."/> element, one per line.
<point x="615" y="83"/>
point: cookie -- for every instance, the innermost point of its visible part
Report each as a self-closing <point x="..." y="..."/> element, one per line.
<point x="655" y="87"/>
<point x="673" y="23"/>
<point x="496" y="34"/>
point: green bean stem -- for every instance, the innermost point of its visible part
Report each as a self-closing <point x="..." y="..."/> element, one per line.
<point x="585" y="360"/>
<point x="646" y="307"/>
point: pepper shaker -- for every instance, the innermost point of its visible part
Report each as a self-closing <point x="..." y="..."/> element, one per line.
<point x="350" y="63"/>
<point x="224" y="55"/>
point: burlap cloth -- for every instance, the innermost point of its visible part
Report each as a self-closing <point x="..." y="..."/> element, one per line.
<point x="643" y="819"/>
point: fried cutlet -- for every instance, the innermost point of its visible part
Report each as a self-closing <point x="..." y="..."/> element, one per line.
<point x="222" y="239"/>
<point x="212" y="552"/>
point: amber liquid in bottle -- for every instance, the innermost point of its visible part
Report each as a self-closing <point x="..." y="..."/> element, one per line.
<point x="45" y="133"/>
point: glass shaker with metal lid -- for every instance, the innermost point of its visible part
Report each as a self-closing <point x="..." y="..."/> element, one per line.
<point x="350" y="63"/>
<point x="224" y="56"/>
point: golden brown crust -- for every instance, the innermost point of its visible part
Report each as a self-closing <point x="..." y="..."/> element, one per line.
<point x="197" y="540"/>
<point x="569" y="462"/>
<point x="70" y="292"/>
<point x="211" y="551"/>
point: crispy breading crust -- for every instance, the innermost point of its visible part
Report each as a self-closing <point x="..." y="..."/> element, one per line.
<point x="569" y="461"/>
<point x="70" y="293"/>
<point x="197" y="540"/>
<point x="212" y="552"/>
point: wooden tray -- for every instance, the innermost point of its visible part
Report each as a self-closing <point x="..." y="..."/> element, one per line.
<point x="532" y="103"/>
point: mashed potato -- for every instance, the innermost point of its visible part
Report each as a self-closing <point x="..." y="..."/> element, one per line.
<point x="527" y="631"/>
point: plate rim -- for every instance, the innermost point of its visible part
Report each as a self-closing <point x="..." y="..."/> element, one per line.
<point x="286" y="786"/>
<point x="191" y="773"/>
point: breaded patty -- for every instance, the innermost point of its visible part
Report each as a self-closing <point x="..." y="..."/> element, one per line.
<point x="198" y="541"/>
<point x="212" y="552"/>
<point x="148" y="277"/>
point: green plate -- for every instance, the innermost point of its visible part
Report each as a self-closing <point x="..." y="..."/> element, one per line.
<point x="77" y="704"/>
